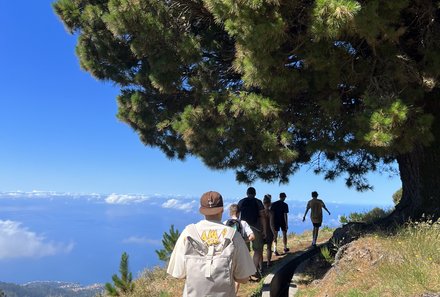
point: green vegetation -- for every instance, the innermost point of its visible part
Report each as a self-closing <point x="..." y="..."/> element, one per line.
<point x="366" y="217"/>
<point x="168" y="241"/>
<point x="124" y="284"/>
<point x="264" y="87"/>
<point x="404" y="264"/>
<point x="397" y="196"/>
<point x="327" y="255"/>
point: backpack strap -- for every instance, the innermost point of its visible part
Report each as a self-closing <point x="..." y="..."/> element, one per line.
<point x="230" y="234"/>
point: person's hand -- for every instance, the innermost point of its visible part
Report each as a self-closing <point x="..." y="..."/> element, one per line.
<point x="264" y="235"/>
<point x="329" y="213"/>
<point x="304" y="218"/>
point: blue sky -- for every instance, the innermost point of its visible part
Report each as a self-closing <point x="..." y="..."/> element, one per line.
<point x="59" y="132"/>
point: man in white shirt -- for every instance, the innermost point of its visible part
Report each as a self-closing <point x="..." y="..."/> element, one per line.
<point x="229" y="259"/>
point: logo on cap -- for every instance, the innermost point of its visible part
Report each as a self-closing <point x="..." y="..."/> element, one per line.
<point x="211" y="203"/>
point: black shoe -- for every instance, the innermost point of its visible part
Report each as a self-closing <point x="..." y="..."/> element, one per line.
<point x="276" y="253"/>
<point x="286" y="250"/>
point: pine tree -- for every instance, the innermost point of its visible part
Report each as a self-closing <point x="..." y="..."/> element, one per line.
<point x="265" y="87"/>
<point x="123" y="284"/>
<point x="168" y="241"/>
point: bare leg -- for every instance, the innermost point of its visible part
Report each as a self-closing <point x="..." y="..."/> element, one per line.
<point x="285" y="239"/>
<point x="258" y="257"/>
<point x="260" y="265"/>
<point x="315" y="234"/>
<point x="275" y="237"/>
<point x="269" y="253"/>
<point x="237" y="287"/>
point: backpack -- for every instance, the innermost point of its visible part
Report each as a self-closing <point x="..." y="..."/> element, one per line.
<point x="236" y="224"/>
<point x="209" y="270"/>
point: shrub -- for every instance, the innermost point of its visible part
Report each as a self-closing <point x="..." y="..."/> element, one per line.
<point x="168" y="241"/>
<point x="367" y="217"/>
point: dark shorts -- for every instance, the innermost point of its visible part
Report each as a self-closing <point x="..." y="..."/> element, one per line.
<point x="280" y="225"/>
<point x="317" y="225"/>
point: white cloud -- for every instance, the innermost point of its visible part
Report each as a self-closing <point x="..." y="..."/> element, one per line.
<point x="35" y="194"/>
<point x="176" y="204"/>
<point x="141" y="240"/>
<point x="125" y="199"/>
<point x="295" y="218"/>
<point x="17" y="241"/>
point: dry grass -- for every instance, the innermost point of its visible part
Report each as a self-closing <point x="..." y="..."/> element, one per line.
<point x="407" y="264"/>
<point x="157" y="283"/>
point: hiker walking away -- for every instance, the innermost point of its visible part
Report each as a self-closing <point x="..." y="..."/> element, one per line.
<point x="241" y="226"/>
<point x="252" y="211"/>
<point x="210" y="255"/>
<point x="315" y="205"/>
<point x="280" y="209"/>
<point x="267" y="202"/>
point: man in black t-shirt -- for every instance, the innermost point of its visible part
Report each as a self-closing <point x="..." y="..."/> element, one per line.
<point x="252" y="211"/>
<point x="280" y="209"/>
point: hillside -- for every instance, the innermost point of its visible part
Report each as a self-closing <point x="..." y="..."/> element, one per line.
<point x="406" y="264"/>
<point x="50" y="289"/>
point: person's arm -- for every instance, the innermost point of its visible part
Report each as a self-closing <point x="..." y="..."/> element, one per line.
<point x="323" y="206"/>
<point x="285" y="219"/>
<point x="251" y="237"/>
<point x="272" y="223"/>
<point x="307" y="210"/>
<point x="248" y="231"/>
<point x="176" y="265"/>
<point x="263" y="222"/>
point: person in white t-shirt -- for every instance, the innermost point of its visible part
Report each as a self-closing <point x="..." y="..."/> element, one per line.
<point x="212" y="235"/>
<point x="244" y="228"/>
<point x="241" y="226"/>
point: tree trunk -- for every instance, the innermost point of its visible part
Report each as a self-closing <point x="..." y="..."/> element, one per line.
<point x="420" y="175"/>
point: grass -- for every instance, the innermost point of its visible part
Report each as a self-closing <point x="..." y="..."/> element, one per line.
<point x="405" y="264"/>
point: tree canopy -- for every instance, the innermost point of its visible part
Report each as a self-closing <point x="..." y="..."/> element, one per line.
<point x="263" y="87"/>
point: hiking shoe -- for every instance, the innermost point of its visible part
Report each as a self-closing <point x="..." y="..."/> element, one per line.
<point x="276" y="253"/>
<point x="286" y="250"/>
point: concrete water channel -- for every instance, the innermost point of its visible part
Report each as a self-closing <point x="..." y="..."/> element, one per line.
<point x="279" y="282"/>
